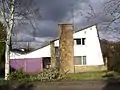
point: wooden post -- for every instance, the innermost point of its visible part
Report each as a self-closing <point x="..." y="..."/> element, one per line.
<point x="66" y="43"/>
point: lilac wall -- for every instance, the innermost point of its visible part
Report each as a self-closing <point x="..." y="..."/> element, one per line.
<point x="29" y="65"/>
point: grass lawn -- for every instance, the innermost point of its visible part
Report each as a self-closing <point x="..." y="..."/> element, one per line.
<point x="93" y="75"/>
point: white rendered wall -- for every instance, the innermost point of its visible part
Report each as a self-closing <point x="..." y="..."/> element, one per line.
<point x="43" y="52"/>
<point x="94" y="53"/>
<point x="91" y="49"/>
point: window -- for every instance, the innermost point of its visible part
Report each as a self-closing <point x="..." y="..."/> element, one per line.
<point x="80" y="41"/>
<point x="57" y="51"/>
<point x="57" y="57"/>
<point x="84" y="60"/>
<point x="80" y="60"/>
<point x="83" y="41"/>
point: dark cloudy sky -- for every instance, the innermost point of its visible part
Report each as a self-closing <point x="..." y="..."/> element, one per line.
<point x="51" y="12"/>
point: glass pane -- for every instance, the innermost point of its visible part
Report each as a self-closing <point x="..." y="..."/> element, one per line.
<point x="78" y="41"/>
<point x="83" y="41"/>
<point x="78" y="60"/>
<point x="84" y="60"/>
<point x="57" y="51"/>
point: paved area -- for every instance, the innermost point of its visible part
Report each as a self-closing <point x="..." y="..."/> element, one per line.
<point x="68" y="85"/>
<point x="76" y="85"/>
<point x="79" y="85"/>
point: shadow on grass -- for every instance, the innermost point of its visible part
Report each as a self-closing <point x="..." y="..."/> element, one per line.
<point x="11" y="86"/>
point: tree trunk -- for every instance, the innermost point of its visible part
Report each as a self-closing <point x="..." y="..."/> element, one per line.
<point x="66" y="43"/>
<point x="9" y="25"/>
<point x="53" y="56"/>
<point x="7" y="58"/>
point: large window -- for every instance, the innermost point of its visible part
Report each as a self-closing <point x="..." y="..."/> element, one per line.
<point x="80" y="60"/>
<point x="80" y="41"/>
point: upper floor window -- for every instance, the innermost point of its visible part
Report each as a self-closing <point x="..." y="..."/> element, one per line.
<point x="80" y="41"/>
<point x="83" y="41"/>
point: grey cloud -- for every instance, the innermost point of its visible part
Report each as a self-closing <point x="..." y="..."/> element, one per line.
<point x="46" y="28"/>
<point x="55" y="11"/>
<point x="22" y="37"/>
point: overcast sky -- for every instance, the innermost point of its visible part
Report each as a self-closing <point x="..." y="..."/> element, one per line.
<point x="51" y="12"/>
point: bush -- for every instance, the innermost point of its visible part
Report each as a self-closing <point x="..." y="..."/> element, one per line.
<point x="50" y="75"/>
<point x="47" y="75"/>
<point x="19" y="76"/>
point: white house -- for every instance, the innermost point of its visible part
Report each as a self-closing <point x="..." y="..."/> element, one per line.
<point x="87" y="50"/>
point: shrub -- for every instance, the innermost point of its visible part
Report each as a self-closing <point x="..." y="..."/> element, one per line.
<point x="19" y="76"/>
<point x="50" y="74"/>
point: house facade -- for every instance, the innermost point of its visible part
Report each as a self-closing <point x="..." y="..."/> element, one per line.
<point x="87" y="51"/>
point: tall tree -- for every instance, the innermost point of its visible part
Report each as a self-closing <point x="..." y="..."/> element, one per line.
<point x="13" y="11"/>
<point x="66" y="44"/>
<point x="8" y="8"/>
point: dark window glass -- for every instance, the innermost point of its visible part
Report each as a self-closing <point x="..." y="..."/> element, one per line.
<point x="83" y="41"/>
<point x="78" y="41"/>
<point x="57" y="51"/>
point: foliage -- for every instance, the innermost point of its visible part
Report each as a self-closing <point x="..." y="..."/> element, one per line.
<point x="19" y="76"/>
<point x="2" y="47"/>
<point x="47" y="75"/>
<point x="2" y="32"/>
<point x="2" y="37"/>
<point x="111" y="50"/>
<point x="50" y="75"/>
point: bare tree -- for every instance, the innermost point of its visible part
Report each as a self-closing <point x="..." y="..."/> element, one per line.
<point x="112" y="7"/>
<point x="12" y="11"/>
<point x="8" y="17"/>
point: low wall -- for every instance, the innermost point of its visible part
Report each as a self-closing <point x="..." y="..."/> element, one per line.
<point x="89" y="68"/>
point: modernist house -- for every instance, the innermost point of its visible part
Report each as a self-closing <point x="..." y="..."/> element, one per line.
<point x="87" y="53"/>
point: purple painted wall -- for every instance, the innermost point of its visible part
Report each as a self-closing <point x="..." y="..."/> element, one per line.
<point x="29" y="65"/>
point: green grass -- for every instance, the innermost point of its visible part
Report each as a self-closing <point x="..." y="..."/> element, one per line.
<point x="93" y="75"/>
